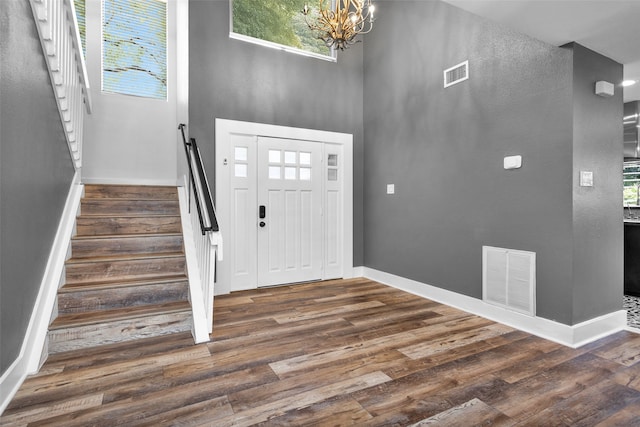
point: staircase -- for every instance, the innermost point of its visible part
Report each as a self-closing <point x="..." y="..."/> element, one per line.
<point x="126" y="278"/>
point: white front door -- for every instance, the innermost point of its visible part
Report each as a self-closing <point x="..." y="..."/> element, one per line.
<point x="289" y="217"/>
<point x="308" y="208"/>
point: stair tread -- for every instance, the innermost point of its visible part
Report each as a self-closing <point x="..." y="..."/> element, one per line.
<point x="83" y="237"/>
<point x="103" y="316"/>
<point x="111" y="284"/>
<point x="125" y="257"/>
<point x="128" y="191"/>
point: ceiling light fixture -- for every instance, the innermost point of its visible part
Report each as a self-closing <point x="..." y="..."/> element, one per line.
<point x="626" y="83"/>
<point x="337" y="27"/>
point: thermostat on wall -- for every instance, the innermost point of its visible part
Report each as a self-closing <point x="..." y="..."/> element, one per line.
<point x="513" y="162"/>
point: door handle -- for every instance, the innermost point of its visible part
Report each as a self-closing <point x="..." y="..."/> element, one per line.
<point x="263" y="211"/>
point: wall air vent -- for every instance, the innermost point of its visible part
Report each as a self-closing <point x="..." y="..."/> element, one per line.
<point x="456" y="74"/>
<point x="509" y="279"/>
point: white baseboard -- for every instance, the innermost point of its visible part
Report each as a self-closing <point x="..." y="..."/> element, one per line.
<point x="571" y="336"/>
<point x="29" y="358"/>
<point x="358" y="271"/>
<point x="134" y="181"/>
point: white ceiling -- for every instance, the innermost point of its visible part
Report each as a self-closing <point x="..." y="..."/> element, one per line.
<point x="609" y="27"/>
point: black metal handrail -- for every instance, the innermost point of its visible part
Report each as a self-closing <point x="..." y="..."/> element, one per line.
<point x="194" y="160"/>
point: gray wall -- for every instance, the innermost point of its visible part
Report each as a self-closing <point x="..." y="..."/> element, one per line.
<point x="443" y="149"/>
<point x="597" y="215"/>
<point x="35" y="172"/>
<point x="235" y="80"/>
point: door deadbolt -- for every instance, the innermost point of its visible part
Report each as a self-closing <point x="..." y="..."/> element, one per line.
<point x="262" y="223"/>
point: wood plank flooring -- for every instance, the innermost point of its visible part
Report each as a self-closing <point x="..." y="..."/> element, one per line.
<point x="338" y="353"/>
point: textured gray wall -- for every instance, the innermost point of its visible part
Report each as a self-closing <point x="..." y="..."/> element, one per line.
<point x="443" y="149"/>
<point x="235" y="80"/>
<point x="597" y="215"/>
<point x="35" y="172"/>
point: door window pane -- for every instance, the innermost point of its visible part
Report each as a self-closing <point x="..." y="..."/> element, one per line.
<point x="274" y="156"/>
<point x="241" y="171"/>
<point x="305" y="174"/>
<point x="241" y="154"/>
<point x="289" y="173"/>
<point x="290" y="157"/>
<point x="274" y="172"/>
<point x="305" y="159"/>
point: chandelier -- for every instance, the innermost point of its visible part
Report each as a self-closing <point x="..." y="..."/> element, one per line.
<point x="337" y="27"/>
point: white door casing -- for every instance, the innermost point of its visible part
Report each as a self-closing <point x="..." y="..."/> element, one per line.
<point x="237" y="146"/>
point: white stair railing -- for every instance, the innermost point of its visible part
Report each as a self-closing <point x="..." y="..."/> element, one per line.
<point x="60" y="36"/>
<point x="203" y="241"/>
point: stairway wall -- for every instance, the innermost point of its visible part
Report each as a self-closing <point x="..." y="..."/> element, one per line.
<point x="35" y="173"/>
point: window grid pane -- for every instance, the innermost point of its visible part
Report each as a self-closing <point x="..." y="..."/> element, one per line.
<point x="290" y="173"/>
<point x="305" y="174"/>
<point x="305" y="159"/>
<point x="290" y="157"/>
<point x="241" y="154"/>
<point x="274" y="172"/>
<point x="274" y="156"/>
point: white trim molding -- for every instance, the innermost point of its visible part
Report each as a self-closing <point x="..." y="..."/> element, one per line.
<point x="572" y="336"/>
<point x="30" y="356"/>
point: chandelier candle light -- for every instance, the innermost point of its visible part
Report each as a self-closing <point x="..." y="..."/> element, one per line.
<point x="339" y="26"/>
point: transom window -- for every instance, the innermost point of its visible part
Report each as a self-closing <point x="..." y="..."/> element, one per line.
<point x="276" y="23"/>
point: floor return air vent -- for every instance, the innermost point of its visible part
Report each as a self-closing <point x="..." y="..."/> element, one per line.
<point x="509" y="279"/>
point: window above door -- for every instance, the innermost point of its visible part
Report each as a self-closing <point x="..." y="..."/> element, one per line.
<point x="278" y="24"/>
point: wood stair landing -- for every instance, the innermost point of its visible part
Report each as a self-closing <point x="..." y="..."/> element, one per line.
<point x="126" y="278"/>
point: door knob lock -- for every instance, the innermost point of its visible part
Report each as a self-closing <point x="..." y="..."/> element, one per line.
<point x="262" y="223"/>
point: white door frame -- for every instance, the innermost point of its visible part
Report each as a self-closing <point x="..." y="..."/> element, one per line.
<point x="225" y="130"/>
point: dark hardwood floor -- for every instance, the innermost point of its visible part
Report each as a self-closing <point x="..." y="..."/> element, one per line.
<point x="338" y="353"/>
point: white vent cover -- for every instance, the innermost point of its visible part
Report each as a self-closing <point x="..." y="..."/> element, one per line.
<point x="456" y="74"/>
<point x="509" y="279"/>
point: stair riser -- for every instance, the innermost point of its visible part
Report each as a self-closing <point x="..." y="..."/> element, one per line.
<point x="86" y="248"/>
<point x="129" y="207"/>
<point x="124" y="270"/>
<point x="87" y="226"/>
<point x="121" y="297"/>
<point x="129" y="192"/>
<point x="113" y="332"/>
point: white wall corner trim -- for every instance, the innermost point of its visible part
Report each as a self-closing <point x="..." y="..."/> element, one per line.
<point x="571" y="336"/>
<point x="29" y="358"/>
<point x="199" y="328"/>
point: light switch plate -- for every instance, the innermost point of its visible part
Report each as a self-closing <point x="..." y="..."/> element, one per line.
<point x="391" y="188"/>
<point x="513" y="162"/>
<point x="586" y="179"/>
